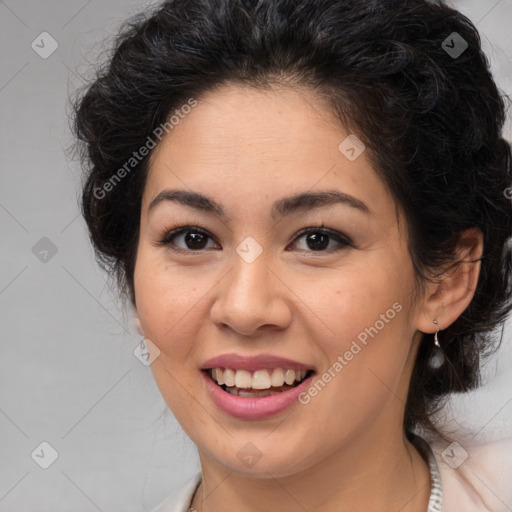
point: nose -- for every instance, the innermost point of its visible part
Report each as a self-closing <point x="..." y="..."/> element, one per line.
<point x="251" y="299"/>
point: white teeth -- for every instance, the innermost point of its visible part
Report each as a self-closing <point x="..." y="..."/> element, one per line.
<point x="243" y="379"/>
<point x="289" y="377"/>
<point x="260" y="379"/>
<point x="277" y="377"/>
<point x="218" y="375"/>
<point x="229" y="377"/>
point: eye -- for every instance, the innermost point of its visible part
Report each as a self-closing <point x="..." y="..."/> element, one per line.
<point x="318" y="239"/>
<point x="194" y="239"/>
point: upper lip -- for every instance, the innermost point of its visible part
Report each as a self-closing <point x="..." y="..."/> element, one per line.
<point x="253" y="363"/>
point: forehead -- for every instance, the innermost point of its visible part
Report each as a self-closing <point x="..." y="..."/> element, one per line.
<point x="241" y="122"/>
<point x="252" y="144"/>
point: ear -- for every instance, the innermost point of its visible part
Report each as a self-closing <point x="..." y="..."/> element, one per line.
<point x="138" y="325"/>
<point x="450" y="293"/>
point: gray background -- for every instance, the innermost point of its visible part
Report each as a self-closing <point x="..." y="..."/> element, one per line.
<point x="68" y="375"/>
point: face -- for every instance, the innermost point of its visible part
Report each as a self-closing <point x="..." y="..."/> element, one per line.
<point x="295" y="258"/>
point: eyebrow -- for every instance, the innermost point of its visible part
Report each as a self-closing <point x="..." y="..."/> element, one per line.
<point x="282" y="207"/>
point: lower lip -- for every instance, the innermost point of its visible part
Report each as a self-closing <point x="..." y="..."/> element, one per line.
<point x="247" y="408"/>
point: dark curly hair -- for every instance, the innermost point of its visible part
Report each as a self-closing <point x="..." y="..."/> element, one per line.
<point x="431" y="121"/>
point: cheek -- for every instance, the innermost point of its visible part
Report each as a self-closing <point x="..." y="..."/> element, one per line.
<point x="371" y="321"/>
<point x="357" y="300"/>
<point x="367" y="345"/>
<point x="169" y="302"/>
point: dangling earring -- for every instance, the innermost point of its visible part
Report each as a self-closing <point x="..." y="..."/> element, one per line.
<point x="437" y="359"/>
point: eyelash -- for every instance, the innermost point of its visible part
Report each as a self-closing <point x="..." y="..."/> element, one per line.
<point x="342" y="239"/>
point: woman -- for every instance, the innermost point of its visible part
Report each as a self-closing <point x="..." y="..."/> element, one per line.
<point x="306" y="204"/>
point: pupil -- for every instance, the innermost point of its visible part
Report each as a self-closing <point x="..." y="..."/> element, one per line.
<point x="319" y="240"/>
<point x="195" y="240"/>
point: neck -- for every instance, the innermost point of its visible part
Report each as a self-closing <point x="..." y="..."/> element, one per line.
<point x="365" y="475"/>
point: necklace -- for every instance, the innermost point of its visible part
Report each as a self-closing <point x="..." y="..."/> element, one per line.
<point x="435" y="502"/>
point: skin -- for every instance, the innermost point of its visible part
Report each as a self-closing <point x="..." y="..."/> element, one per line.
<point x="246" y="148"/>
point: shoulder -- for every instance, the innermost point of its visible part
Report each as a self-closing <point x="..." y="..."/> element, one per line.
<point x="179" y="500"/>
<point x="473" y="449"/>
<point x="475" y="471"/>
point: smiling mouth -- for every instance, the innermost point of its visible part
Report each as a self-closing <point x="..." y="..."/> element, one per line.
<point x="260" y="383"/>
